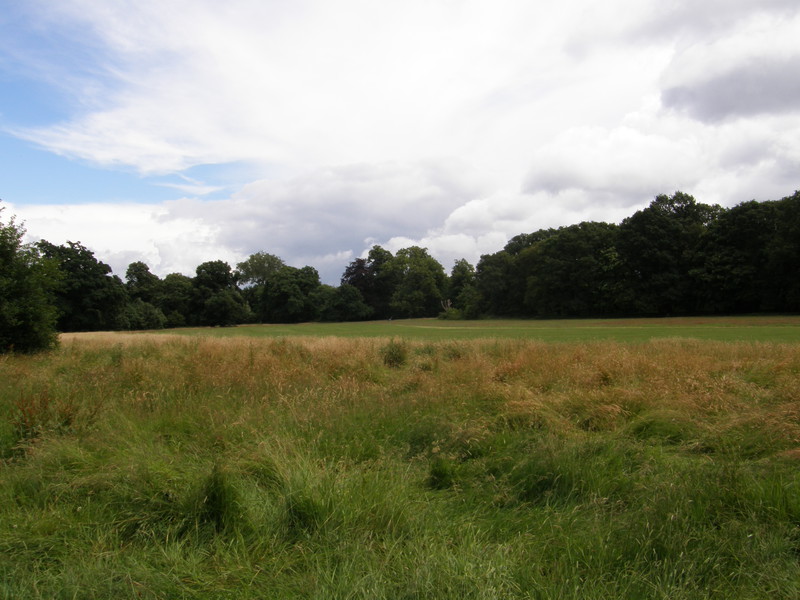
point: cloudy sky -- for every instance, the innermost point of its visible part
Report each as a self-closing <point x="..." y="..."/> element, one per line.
<point x="175" y="131"/>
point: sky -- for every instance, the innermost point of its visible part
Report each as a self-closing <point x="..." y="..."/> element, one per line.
<point x="180" y="131"/>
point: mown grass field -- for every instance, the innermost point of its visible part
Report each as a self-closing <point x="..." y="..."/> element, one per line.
<point x="754" y="329"/>
<point x="195" y="466"/>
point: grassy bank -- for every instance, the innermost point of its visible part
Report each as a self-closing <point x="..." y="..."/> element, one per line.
<point x="139" y="466"/>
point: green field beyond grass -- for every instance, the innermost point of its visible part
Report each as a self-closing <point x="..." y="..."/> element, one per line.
<point x="410" y="466"/>
<point x="757" y="329"/>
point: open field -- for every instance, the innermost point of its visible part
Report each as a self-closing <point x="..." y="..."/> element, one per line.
<point x="758" y="328"/>
<point x="175" y="466"/>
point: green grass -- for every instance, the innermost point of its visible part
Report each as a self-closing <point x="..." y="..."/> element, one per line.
<point x="760" y="328"/>
<point x="151" y="466"/>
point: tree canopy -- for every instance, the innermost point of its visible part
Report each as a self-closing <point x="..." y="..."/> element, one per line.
<point x="676" y="256"/>
<point x="89" y="297"/>
<point x="27" y="283"/>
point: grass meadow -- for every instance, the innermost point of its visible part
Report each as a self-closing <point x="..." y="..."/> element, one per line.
<point x="385" y="465"/>
<point x="750" y="329"/>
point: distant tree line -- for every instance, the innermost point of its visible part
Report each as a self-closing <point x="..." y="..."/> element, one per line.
<point x="675" y="257"/>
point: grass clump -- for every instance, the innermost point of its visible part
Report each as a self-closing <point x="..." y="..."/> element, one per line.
<point x="138" y="466"/>
<point x="394" y="354"/>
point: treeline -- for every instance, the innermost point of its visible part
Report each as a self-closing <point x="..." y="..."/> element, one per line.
<point x="675" y="257"/>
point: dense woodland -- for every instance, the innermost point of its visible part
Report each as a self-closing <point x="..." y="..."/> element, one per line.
<point x="675" y="257"/>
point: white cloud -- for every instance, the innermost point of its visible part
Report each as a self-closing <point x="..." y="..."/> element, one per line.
<point x="748" y="72"/>
<point x="452" y="124"/>
<point x="119" y="234"/>
<point x="192" y="187"/>
<point x="192" y="83"/>
<point x="622" y="164"/>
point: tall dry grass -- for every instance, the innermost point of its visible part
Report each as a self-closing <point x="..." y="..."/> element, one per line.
<point x="164" y="466"/>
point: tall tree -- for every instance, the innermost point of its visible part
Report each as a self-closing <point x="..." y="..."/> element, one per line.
<point x="141" y="283"/>
<point x="89" y="298"/>
<point x="218" y="301"/>
<point x="521" y="242"/>
<point x="660" y="247"/>
<point x="462" y="275"/>
<point x="421" y="283"/>
<point x="783" y="258"/>
<point x="753" y="258"/>
<point x="289" y="297"/>
<point x="27" y="304"/>
<point x="376" y="278"/>
<point x="144" y="290"/>
<point x="343" y="303"/>
<point x="176" y="300"/>
<point x="734" y="274"/>
<point x="255" y="273"/>
<point x="571" y="273"/>
<point x="259" y="268"/>
<point x="495" y="280"/>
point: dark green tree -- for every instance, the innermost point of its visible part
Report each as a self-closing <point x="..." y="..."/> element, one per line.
<point x="259" y="268"/>
<point x="343" y="303"/>
<point x="175" y="300"/>
<point x="27" y="303"/>
<point x="144" y="290"/>
<point x="461" y="283"/>
<point x="496" y="282"/>
<point x="289" y="296"/>
<point x="520" y="242"/>
<point x="217" y="299"/>
<point x="753" y="258"/>
<point x="376" y="278"/>
<point x="783" y="258"/>
<point x="215" y="276"/>
<point x="255" y="273"/>
<point x="660" y="248"/>
<point x="572" y="272"/>
<point x="89" y="298"/>
<point x="421" y="283"/>
<point x="224" y="308"/>
<point x="734" y="274"/>
<point x="141" y="283"/>
<point x="143" y="315"/>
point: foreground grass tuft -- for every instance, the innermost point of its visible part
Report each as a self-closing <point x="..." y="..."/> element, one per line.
<point x="169" y="467"/>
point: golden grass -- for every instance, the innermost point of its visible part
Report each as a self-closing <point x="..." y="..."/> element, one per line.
<point x="601" y="462"/>
<point x="589" y="386"/>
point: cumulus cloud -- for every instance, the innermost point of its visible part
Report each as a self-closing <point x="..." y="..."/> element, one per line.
<point x="328" y="215"/>
<point x="760" y="86"/>
<point x="324" y="218"/>
<point x="119" y="234"/>
<point x="451" y="124"/>
<point x="621" y="165"/>
<point x="750" y="71"/>
<point x="709" y="19"/>
<point x="190" y="83"/>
